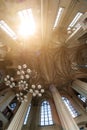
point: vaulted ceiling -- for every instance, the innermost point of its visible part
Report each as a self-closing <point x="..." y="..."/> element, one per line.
<point x="49" y="51"/>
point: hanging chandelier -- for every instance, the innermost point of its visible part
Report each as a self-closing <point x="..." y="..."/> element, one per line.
<point x="22" y="83"/>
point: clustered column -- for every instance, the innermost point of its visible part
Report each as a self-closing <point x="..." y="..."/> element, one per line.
<point x="6" y="99"/>
<point x="80" y="87"/>
<point x="66" y="118"/>
<point x="17" y="122"/>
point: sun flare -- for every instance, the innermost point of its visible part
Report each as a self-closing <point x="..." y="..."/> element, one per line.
<point x="27" y="26"/>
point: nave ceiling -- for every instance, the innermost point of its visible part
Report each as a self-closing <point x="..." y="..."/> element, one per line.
<point x="47" y="51"/>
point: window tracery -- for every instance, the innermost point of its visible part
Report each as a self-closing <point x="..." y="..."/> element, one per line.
<point x="72" y="110"/>
<point x="45" y="115"/>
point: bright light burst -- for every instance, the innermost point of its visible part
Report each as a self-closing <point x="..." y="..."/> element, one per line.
<point x="27" y="26"/>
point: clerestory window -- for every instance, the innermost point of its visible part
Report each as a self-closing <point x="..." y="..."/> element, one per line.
<point x="72" y="110"/>
<point x="45" y="115"/>
<point x="83" y="98"/>
<point x="27" y="115"/>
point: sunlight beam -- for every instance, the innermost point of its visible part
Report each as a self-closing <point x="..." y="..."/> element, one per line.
<point x="27" y="25"/>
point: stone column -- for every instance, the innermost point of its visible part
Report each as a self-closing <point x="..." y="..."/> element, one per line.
<point x="5" y="98"/>
<point x="66" y="118"/>
<point x="80" y="87"/>
<point x="17" y="121"/>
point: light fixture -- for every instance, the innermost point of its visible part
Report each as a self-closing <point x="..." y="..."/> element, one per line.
<point x="27" y="25"/>
<point x="74" y="25"/>
<point x="23" y="83"/>
<point x="59" y="14"/>
<point x="7" y="29"/>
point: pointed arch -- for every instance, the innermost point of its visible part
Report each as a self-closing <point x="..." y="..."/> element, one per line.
<point x="71" y="109"/>
<point x="45" y="114"/>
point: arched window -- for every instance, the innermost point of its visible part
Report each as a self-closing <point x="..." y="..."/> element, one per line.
<point x="72" y="110"/>
<point x="13" y="105"/>
<point x="45" y="115"/>
<point x="27" y="115"/>
<point x="83" y="98"/>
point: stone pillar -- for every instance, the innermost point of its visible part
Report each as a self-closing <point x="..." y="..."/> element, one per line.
<point x="34" y="123"/>
<point x="66" y="118"/>
<point x="17" y="121"/>
<point x="80" y="87"/>
<point x="5" y="98"/>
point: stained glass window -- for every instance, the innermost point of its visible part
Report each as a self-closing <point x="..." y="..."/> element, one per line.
<point x="83" y="98"/>
<point x="46" y="116"/>
<point x="72" y="110"/>
<point x="27" y="115"/>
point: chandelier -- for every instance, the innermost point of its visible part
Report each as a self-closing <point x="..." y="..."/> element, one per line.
<point x="22" y="84"/>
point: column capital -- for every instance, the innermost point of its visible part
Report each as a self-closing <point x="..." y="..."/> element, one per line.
<point x="52" y="87"/>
